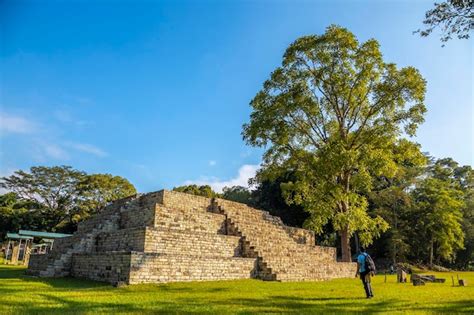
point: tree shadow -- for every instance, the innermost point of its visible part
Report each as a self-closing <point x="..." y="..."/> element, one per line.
<point x="62" y="296"/>
<point x="56" y="305"/>
<point x="297" y="305"/>
<point x="11" y="274"/>
<point x="457" y="307"/>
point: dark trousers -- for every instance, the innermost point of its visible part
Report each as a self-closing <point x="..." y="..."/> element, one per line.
<point x="365" y="277"/>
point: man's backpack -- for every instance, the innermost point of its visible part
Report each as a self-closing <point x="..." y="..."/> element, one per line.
<point x="369" y="264"/>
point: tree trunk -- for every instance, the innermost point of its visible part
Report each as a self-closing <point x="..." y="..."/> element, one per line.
<point x="345" y="245"/>
<point x="344" y="206"/>
<point x="431" y="253"/>
<point x="357" y="244"/>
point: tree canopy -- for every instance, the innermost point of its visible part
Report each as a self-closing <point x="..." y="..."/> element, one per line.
<point x="58" y="197"/>
<point x="333" y="113"/>
<point x="238" y="194"/>
<point x="203" y="190"/>
<point x="454" y="17"/>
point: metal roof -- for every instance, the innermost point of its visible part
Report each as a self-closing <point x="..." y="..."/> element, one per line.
<point x="43" y="234"/>
<point x="15" y="236"/>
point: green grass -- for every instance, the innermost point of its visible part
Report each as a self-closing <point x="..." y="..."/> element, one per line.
<point x="20" y="294"/>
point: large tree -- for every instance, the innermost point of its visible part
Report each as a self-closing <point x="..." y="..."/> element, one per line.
<point x="454" y="17"/>
<point x="95" y="191"/>
<point x="64" y="196"/>
<point x="55" y="188"/>
<point x="332" y="113"/>
<point x="16" y="213"/>
<point x="459" y="182"/>
<point x="438" y="218"/>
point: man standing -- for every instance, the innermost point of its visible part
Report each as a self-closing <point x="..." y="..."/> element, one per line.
<point x="366" y="268"/>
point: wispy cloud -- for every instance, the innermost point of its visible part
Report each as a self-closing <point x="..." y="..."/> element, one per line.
<point x="55" y="151"/>
<point x="87" y="148"/>
<point x="246" y="172"/>
<point x="212" y="163"/>
<point x="64" y="116"/>
<point x="15" y="124"/>
<point x="43" y="142"/>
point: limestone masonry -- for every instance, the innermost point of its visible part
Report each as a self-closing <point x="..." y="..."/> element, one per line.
<point x="169" y="236"/>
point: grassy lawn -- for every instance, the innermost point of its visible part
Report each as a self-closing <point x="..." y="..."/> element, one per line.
<point x="20" y="294"/>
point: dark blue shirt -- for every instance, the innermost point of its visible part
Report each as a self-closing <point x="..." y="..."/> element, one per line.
<point x="361" y="260"/>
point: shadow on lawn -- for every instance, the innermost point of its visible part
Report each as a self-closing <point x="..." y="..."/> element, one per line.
<point x="18" y="273"/>
<point x="58" y="305"/>
<point x="8" y="272"/>
<point x="276" y="304"/>
<point x="458" y="307"/>
<point x="63" y="300"/>
<point x="296" y="305"/>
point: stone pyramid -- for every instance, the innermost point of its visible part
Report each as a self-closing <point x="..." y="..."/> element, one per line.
<point x="168" y="236"/>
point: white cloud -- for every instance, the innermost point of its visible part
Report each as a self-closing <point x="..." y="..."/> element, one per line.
<point x="55" y="151"/>
<point x="15" y="124"/>
<point x="246" y="172"/>
<point x="87" y="148"/>
<point x="212" y="163"/>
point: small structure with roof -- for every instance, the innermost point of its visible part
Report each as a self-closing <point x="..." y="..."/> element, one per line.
<point x="20" y="245"/>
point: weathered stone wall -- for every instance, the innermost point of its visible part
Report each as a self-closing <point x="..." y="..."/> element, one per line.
<point x="191" y="243"/>
<point x="111" y="267"/>
<point x="131" y="239"/>
<point x="187" y="202"/>
<point x="37" y="262"/>
<point x="151" y="267"/>
<point x="142" y="212"/>
<point x="191" y="219"/>
<point x="102" y="217"/>
<point x="301" y="236"/>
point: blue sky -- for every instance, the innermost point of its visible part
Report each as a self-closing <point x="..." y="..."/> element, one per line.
<point x="157" y="91"/>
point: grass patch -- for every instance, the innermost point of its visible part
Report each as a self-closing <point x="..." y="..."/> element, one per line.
<point x="20" y="294"/>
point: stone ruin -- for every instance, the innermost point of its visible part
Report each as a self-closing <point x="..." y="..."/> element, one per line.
<point x="168" y="236"/>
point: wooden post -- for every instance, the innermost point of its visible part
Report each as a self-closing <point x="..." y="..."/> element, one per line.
<point x="18" y="252"/>
<point x="27" y="252"/>
<point x="6" y="252"/>
<point x="385" y="277"/>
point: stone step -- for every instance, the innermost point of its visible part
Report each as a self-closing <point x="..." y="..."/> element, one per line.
<point x="279" y="251"/>
<point x="169" y="241"/>
<point x="139" y="267"/>
<point x="192" y="220"/>
<point x="148" y="267"/>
